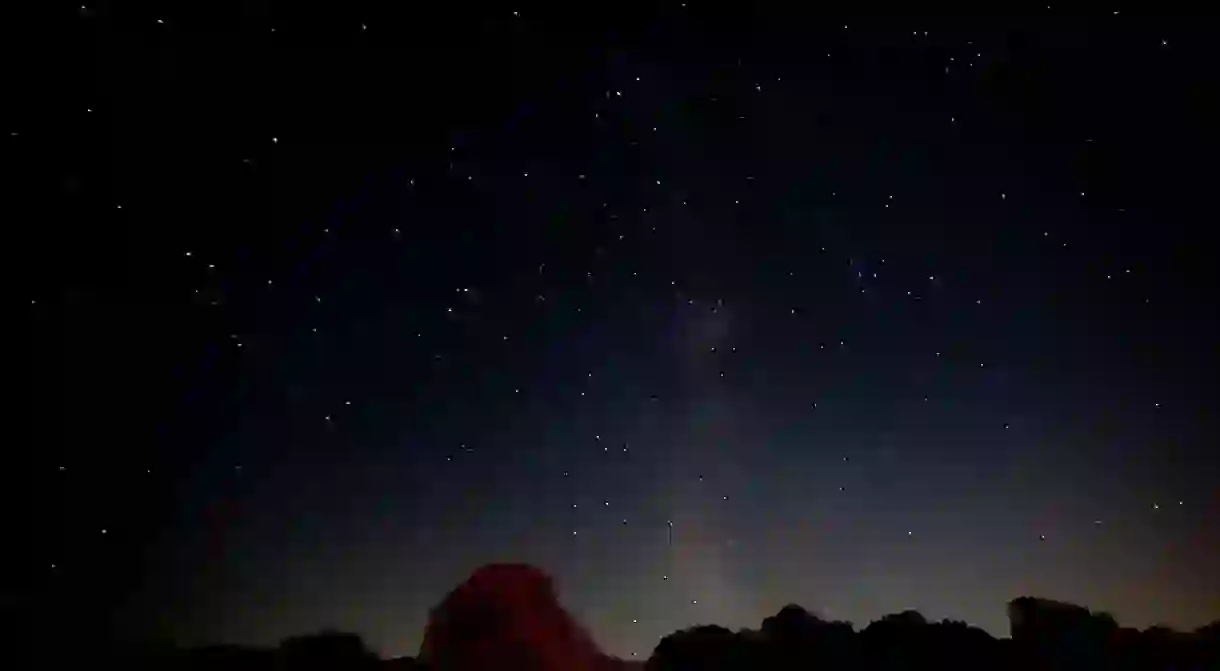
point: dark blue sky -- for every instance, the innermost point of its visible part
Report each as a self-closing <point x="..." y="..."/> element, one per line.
<point x="323" y="318"/>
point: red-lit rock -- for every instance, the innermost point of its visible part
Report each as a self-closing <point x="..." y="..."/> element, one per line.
<point x="507" y="616"/>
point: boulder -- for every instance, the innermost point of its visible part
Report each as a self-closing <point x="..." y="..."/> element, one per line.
<point x="507" y="616"/>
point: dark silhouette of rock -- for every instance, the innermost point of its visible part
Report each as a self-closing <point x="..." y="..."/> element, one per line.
<point x="328" y="650"/>
<point x="790" y="622"/>
<point x="507" y="616"/>
<point x="709" y="647"/>
<point x="238" y="658"/>
<point x="796" y="638"/>
<point x="402" y="664"/>
<point x="1040" y="620"/>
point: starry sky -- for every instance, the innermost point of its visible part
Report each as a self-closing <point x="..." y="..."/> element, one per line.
<point x="703" y="310"/>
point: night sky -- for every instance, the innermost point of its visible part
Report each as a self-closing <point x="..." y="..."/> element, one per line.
<point x="702" y="311"/>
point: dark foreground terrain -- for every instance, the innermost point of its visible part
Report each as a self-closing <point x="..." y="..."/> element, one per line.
<point x="508" y="617"/>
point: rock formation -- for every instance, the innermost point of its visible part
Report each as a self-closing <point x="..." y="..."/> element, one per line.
<point x="507" y="616"/>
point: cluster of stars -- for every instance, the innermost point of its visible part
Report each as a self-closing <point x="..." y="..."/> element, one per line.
<point x="893" y="284"/>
